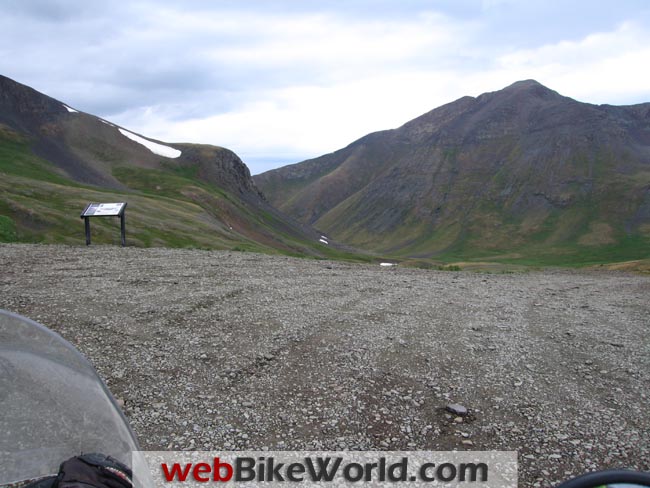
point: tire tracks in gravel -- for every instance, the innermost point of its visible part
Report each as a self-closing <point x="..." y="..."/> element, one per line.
<point x="223" y="350"/>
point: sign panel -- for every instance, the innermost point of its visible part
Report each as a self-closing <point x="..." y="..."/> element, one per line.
<point x="104" y="209"/>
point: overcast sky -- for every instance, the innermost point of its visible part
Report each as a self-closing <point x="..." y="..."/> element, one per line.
<point x="282" y="81"/>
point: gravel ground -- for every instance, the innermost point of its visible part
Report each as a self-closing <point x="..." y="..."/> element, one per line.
<point x="229" y="350"/>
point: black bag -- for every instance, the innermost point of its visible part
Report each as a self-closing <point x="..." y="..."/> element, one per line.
<point x="89" y="471"/>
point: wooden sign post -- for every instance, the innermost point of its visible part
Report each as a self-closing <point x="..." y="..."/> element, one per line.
<point x="104" y="210"/>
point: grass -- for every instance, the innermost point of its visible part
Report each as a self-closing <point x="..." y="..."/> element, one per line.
<point x="48" y="212"/>
<point x="641" y="266"/>
<point x="172" y="207"/>
<point x="158" y="182"/>
<point x="568" y="254"/>
<point x="7" y="229"/>
<point x="17" y="159"/>
<point x="167" y="207"/>
<point x="574" y="238"/>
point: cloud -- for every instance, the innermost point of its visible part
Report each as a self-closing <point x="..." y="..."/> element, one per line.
<point x="279" y="81"/>
<point x="315" y="80"/>
<point x="374" y="76"/>
<point x="605" y="67"/>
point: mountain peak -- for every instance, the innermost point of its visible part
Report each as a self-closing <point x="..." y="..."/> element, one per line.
<point x="529" y="87"/>
<point x="511" y="169"/>
<point x="525" y="84"/>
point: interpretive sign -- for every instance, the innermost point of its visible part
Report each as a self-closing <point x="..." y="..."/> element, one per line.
<point x="104" y="210"/>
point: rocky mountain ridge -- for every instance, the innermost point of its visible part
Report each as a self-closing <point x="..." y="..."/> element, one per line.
<point x="519" y="171"/>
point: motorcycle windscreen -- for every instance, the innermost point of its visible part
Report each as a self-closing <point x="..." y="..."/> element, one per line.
<point x="53" y="405"/>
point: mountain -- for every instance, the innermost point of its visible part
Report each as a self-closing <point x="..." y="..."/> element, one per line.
<point x="55" y="159"/>
<point x="523" y="173"/>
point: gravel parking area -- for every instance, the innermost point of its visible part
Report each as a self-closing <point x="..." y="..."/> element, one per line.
<point x="231" y="350"/>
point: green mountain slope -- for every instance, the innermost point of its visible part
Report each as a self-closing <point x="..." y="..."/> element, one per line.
<point x="54" y="160"/>
<point x="523" y="174"/>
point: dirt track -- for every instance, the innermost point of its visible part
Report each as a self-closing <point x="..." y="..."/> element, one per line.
<point x="228" y="350"/>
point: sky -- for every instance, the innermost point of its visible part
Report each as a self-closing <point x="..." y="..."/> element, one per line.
<point x="282" y="81"/>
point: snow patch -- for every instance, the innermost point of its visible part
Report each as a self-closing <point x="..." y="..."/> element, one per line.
<point x="154" y="147"/>
<point x="386" y="264"/>
<point x="107" y="123"/>
<point x="324" y="241"/>
<point x="71" y="110"/>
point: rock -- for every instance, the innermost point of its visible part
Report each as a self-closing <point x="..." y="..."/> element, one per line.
<point x="344" y="382"/>
<point x="456" y="409"/>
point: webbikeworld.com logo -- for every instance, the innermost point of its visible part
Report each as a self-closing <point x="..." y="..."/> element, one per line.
<point x="267" y="469"/>
<point x="488" y="469"/>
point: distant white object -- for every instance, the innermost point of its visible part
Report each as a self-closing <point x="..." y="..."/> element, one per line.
<point x="386" y="264"/>
<point x="324" y="241"/>
<point x="107" y="123"/>
<point x="70" y="109"/>
<point x="154" y="147"/>
<point x="323" y="237"/>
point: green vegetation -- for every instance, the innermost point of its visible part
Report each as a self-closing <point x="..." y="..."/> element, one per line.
<point x="7" y="229"/>
<point x="17" y="159"/>
<point x="159" y="182"/>
<point x="506" y="178"/>
<point x="166" y="207"/>
<point x="171" y="206"/>
<point x="569" y="254"/>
